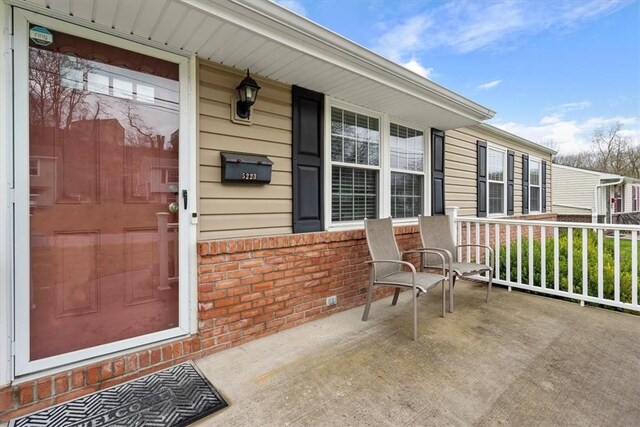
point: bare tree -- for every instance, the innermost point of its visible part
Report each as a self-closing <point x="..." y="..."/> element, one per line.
<point x="610" y="151"/>
<point x="56" y="97"/>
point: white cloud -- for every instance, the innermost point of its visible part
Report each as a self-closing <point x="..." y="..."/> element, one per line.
<point x="400" y="39"/>
<point x="569" y="106"/>
<point x="417" y="68"/>
<point x="465" y="26"/>
<point x="489" y="85"/>
<point x="568" y="136"/>
<point x="292" y="5"/>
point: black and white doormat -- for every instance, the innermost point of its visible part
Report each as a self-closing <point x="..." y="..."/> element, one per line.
<point x="174" y="397"/>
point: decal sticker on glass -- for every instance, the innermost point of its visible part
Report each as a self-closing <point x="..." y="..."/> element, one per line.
<point x="40" y="36"/>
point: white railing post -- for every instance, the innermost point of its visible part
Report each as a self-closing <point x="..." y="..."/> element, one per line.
<point x="452" y="212"/>
<point x="607" y="246"/>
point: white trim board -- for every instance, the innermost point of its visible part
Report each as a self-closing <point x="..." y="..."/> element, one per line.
<point x="6" y="204"/>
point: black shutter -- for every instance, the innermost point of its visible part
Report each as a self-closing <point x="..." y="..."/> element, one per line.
<point x="525" y="184"/>
<point x="481" y="200"/>
<point x="308" y="111"/>
<point x="437" y="172"/>
<point x="510" y="181"/>
<point x="544" y="186"/>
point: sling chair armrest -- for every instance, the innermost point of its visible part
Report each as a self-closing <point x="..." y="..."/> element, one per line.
<point x="491" y="254"/>
<point x="445" y="256"/>
<point x="393" y="261"/>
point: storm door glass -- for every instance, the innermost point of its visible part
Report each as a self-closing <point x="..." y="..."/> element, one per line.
<point x="103" y="166"/>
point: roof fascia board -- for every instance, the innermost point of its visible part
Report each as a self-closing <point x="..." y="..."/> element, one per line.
<point x="298" y="33"/>
<point x="497" y="132"/>
<point x="601" y="175"/>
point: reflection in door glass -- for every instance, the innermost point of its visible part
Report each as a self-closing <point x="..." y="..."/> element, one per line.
<point x="103" y="156"/>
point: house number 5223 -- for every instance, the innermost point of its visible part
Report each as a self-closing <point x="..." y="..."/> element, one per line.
<point x="250" y="176"/>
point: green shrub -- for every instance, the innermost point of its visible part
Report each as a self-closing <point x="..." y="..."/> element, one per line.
<point x="563" y="261"/>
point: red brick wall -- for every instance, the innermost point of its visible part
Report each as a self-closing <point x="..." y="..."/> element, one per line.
<point x="247" y="289"/>
<point x="579" y="218"/>
<point x="256" y="287"/>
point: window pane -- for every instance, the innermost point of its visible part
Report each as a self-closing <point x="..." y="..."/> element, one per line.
<point x="406" y="195"/>
<point x="407" y="148"/>
<point x="495" y="165"/>
<point x="336" y="148"/>
<point x="535" y="198"/>
<point x="534" y="173"/>
<point x="496" y="198"/>
<point x="354" y="193"/>
<point x="349" y="150"/>
<point x="350" y="123"/>
<point x="361" y="138"/>
<point x="336" y="121"/>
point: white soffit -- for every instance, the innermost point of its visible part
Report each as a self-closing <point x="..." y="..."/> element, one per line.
<point x="274" y="43"/>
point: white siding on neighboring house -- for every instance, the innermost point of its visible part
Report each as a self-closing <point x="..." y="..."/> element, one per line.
<point x="574" y="190"/>
<point x="626" y="198"/>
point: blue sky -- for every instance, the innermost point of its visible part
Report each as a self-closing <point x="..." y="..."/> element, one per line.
<point x="553" y="70"/>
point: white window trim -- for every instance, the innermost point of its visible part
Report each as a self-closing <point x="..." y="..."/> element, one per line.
<point x="505" y="163"/>
<point x="384" y="174"/>
<point x="539" y="161"/>
<point x="188" y="276"/>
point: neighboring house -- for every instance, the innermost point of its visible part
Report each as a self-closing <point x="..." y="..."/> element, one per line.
<point x="585" y="195"/>
<point x="124" y="250"/>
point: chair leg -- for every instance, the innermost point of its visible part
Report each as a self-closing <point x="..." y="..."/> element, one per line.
<point x="415" y="316"/>
<point x="396" y="293"/>
<point x="444" y="298"/>
<point x="365" y="316"/>
<point x="452" y="285"/>
<point x="489" y="286"/>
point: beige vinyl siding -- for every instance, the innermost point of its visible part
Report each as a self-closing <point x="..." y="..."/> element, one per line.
<point x="461" y="168"/>
<point x="573" y="191"/>
<point x="241" y="210"/>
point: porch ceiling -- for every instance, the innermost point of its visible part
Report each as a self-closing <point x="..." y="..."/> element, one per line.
<point x="273" y="43"/>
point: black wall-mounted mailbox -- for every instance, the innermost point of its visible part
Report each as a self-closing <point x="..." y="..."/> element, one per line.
<point x="246" y="168"/>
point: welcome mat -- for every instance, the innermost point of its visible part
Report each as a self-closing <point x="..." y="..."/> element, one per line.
<point x="173" y="397"/>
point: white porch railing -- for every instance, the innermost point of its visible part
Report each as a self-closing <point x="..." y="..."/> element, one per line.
<point x="595" y="263"/>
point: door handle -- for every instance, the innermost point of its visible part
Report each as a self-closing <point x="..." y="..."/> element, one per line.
<point x="185" y="198"/>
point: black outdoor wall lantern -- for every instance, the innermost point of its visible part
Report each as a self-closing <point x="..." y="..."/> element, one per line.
<point x="247" y="92"/>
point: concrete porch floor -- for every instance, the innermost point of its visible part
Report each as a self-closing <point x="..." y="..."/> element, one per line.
<point x="518" y="360"/>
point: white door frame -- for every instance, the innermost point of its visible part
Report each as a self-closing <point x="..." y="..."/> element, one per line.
<point x="6" y="191"/>
<point x="187" y="227"/>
